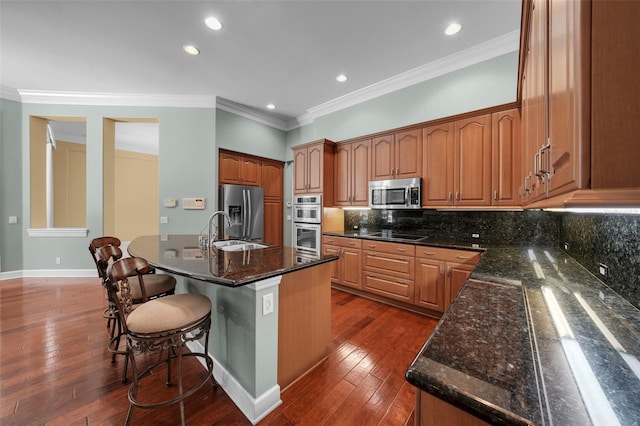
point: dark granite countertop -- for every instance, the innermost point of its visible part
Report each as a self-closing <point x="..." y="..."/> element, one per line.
<point x="533" y="338"/>
<point x="180" y="254"/>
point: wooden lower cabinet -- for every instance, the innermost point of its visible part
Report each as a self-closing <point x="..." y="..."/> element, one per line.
<point x="273" y="228"/>
<point x="440" y="274"/>
<point x="432" y="411"/>
<point x="347" y="270"/>
<point x="389" y="270"/>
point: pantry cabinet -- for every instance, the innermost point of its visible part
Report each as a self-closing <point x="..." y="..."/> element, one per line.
<point x="272" y="183"/>
<point x="352" y="171"/>
<point x="397" y="155"/>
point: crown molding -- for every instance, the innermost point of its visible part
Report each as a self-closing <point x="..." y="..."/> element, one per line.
<point x="119" y="99"/>
<point x="10" y="94"/>
<point x="250" y="113"/>
<point x="467" y="57"/>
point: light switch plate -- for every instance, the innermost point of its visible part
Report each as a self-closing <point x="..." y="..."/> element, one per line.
<point x="170" y="202"/>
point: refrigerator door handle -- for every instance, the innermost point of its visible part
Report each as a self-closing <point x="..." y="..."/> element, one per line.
<point x="249" y="214"/>
<point x="244" y="213"/>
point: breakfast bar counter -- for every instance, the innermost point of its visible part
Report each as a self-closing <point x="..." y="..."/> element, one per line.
<point x="271" y="312"/>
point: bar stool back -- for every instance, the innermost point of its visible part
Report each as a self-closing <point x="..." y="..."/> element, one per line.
<point x="164" y="324"/>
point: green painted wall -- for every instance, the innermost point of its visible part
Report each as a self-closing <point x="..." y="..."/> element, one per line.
<point x="241" y="134"/>
<point x="10" y="185"/>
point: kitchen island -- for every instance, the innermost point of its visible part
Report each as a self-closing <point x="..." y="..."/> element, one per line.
<point x="270" y="312"/>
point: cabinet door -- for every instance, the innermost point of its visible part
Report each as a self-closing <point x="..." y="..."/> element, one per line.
<point x="300" y="171"/>
<point x="351" y="267"/>
<point x="472" y="177"/>
<point x="251" y="171"/>
<point x="342" y="159"/>
<point x="568" y="159"/>
<point x="273" y="222"/>
<point x="382" y="158"/>
<point x="430" y="284"/>
<point x="229" y="168"/>
<point x="437" y="174"/>
<point x="506" y="158"/>
<point x="314" y="168"/>
<point x="408" y="154"/>
<point x="273" y="179"/>
<point x="335" y="265"/>
<point x="360" y="172"/>
<point x="457" y="275"/>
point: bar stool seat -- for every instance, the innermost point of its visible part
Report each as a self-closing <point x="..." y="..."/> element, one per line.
<point x="164" y="324"/>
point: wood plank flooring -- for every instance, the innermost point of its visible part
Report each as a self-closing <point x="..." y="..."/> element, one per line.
<point x="55" y="369"/>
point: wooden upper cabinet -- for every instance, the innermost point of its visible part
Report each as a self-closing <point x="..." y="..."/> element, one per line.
<point x="313" y="169"/>
<point x="582" y="151"/>
<point x="238" y="169"/>
<point x="437" y="172"/>
<point x="383" y="164"/>
<point x="472" y="168"/>
<point x="352" y="166"/>
<point x="506" y="163"/>
<point x="397" y="156"/>
<point x="457" y="163"/>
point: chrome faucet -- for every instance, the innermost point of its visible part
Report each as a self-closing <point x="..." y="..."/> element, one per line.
<point x="213" y="235"/>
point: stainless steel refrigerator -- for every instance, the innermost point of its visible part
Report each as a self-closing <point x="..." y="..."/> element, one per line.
<point x="245" y="207"/>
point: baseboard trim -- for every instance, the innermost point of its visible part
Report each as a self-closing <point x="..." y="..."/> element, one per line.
<point x="254" y="409"/>
<point x="49" y="273"/>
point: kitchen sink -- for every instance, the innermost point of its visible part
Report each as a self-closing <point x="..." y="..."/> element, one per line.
<point x="237" y="245"/>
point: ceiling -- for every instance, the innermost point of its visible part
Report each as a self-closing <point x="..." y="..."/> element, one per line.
<point x="283" y="52"/>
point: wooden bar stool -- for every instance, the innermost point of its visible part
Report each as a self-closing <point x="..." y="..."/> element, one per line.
<point x="105" y="251"/>
<point x="164" y="324"/>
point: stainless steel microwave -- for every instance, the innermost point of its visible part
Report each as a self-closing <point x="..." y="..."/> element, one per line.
<point x="395" y="194"/>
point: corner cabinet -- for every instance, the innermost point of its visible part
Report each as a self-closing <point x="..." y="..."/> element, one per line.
<point x="313" y="169"/>
<point x="580" y="147"/>
<point x="352" y="170"/>
<point x="397" y="155"/>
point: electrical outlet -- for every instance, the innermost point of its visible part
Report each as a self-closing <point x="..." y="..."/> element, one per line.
<point x="475" y="235"/>
<point x="13" y="219"/>
<point x="164" y="219"/>
<point x="566" y="246"/>
<point x="57" y="260"/>
<point x="267" y="304"/>
<point x="603" y="269"/>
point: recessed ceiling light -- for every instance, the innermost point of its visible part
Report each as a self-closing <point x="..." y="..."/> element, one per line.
<point x="453" y="28"/>
<point x="191" y="50"/>
<point x="271" y="106"/>
<point x="213" y="23"/>
<point x="341" y="78"/>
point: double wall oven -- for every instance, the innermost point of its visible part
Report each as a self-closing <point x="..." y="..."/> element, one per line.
<point x="307" y="224"/>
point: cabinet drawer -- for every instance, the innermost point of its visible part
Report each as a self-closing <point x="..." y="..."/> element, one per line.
<point x="389" y="264"/>
<point x="448" y="255"/>
<point x="393" y="248"/>
<point x="342" y="241"/>
<point x="388" y="286"/>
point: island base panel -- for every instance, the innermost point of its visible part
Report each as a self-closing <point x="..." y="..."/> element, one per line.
<point x="432" y="411"/>
<point x="304" y="322"/>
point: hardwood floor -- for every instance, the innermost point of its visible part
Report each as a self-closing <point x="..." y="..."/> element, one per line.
<point x="55" y="369"/>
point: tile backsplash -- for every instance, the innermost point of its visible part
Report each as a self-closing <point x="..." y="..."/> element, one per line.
<point x="612" y="240"/>
<point x="517" y="227"/>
